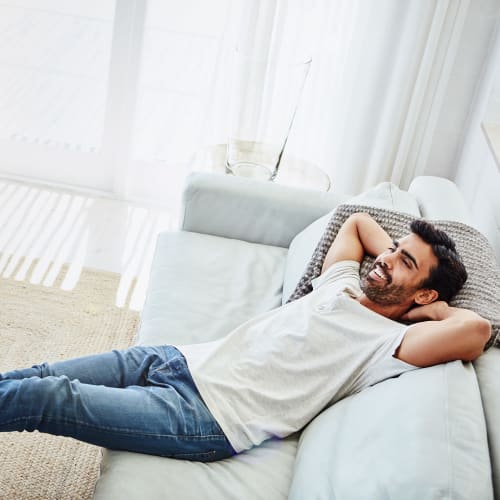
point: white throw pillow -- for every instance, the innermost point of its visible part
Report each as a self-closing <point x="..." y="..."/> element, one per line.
<point x="384" y="195"/>
<point x="419" y="436"/>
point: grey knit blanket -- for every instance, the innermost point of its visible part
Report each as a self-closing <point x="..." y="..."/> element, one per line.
<point x="481" y="292"/>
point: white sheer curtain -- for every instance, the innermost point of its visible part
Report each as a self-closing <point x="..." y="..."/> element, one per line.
<point x="378" y="72"/>
<point x="164" y="83"/>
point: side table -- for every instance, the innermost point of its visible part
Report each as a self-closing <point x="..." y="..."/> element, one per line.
<point x="292" y="171"/>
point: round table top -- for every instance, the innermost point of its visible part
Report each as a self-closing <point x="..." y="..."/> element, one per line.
<point x="292" y="171"/>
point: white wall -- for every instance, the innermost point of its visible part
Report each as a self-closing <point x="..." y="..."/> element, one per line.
<point x="478" y="173"/>
<point x="478" y="178"/>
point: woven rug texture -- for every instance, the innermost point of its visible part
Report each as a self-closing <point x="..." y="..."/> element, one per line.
<point x="37" y="324"/>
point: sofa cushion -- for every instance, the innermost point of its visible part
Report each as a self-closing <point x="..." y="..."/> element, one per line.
<point x="263" y="473"/>
<point x="203" y="286"/>
<point x="440" y="198"/>
<point x="420" y="436"/>
<point x="488" y="374"/>
<point x="384" y="195"/>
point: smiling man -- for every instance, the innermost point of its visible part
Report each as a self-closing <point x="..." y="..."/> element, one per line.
<point x="412" y="280"/>
<point x="273" y="374"/>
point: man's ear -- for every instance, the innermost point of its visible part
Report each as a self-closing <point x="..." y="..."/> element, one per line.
<point x="425" y="296"/>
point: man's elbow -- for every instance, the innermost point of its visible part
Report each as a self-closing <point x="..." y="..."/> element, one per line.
<point x="356" y="216"/>
<point x="480" y="331"/>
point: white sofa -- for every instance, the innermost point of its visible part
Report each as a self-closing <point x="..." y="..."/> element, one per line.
<point x="428" y="434"/>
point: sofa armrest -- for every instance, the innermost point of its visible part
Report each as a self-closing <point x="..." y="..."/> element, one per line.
<point x="244" y="209"/>
<point x="439" y="198"/>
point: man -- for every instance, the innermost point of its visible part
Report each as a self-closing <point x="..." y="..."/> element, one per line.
<point x="420" y="270"/>
<point x="273" y="374"/>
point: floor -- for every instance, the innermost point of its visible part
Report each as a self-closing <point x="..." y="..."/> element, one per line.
<point x="42" y="228"/>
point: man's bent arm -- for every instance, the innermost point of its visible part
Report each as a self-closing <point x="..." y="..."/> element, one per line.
<point x="443" y="334"/>
<point x="360" y="234"/>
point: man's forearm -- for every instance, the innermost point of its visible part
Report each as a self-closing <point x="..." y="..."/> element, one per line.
<point x="360" y="234"/>
<point x="373" y="237"/>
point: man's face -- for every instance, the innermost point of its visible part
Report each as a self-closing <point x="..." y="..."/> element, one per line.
<point x="399" y="272"/>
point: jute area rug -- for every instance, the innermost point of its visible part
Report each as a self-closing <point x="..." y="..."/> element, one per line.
<point x="37" y="324"/>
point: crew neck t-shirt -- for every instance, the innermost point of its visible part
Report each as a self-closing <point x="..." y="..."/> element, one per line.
<point x="273" y="374"/>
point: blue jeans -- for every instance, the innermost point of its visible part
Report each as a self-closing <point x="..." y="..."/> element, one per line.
<point x="142" y="399"/>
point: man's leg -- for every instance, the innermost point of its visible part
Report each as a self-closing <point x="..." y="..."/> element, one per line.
<point x="112" y="369"/>
<point x="164" y="415"/>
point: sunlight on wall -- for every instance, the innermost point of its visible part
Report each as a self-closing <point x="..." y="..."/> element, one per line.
<point x="47" y="236"/>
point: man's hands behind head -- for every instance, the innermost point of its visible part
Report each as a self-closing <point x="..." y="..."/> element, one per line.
<point x="443" y="333"/>
<point x="436" y="311"/>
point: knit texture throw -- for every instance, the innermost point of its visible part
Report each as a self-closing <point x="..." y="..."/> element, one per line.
<point x="481" y="292"/>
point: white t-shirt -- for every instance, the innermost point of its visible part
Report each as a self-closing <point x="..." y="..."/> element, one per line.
<point x="273" y="374"/>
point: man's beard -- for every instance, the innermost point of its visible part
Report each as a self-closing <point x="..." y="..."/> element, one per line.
<point x="385" y="293"/>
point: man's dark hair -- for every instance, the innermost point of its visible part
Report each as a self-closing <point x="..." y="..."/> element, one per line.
<point x="448" y="277"/>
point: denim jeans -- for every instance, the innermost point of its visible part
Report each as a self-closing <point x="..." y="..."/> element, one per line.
<point x="142" y="399"/>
